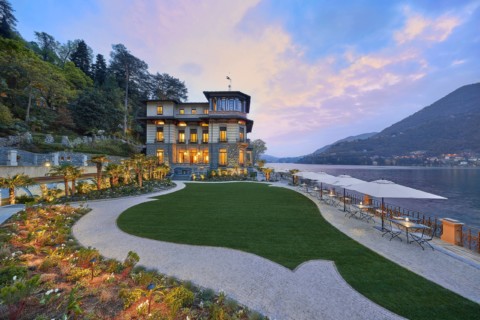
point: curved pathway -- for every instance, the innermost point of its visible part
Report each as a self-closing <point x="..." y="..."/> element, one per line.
<point x="315" y="290"/>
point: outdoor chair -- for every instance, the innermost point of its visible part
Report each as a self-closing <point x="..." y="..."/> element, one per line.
<point x="390" y="228"/>
<point x="423" y="237"/>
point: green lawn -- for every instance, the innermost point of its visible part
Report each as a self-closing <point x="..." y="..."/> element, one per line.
<point x="286" y="227"/>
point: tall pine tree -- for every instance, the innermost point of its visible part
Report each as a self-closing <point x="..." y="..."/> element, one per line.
<point x="7" y="20"/>
<point x="99" y="70"/>
<point x="81" y="57"/>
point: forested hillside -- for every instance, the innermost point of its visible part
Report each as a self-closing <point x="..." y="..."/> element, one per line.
<point x="65" y="88"/>
<point x="449" y="125"/>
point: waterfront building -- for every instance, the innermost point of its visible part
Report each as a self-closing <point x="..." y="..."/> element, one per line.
<point x="195" y="137"/>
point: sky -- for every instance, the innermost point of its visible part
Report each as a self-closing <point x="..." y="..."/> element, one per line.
<point x="317" y="71"/>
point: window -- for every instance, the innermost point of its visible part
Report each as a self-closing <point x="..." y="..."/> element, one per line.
<point x="205" y="111"/>
<point x="181" y="156"/>
<point x="159" y="109"/>
<point x="223" y="134"/>
<point x="182" y="111"/>
<point x="181" y="136"/>
<point x="241" y="157"/>
<point x="160" y="158"/>
<point x="205" y="136"/>
<point x="194" y="111"/>
<point x="159" y="136"/>
<point x="193" y="136"/>
<point x="205" y="156"/>
<point x="241" y="134"/>
<point x="222" y="157"/>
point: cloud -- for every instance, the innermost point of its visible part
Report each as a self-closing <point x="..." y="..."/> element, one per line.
<point x="293" y="98"/>
<point x="458" y="62"/>
<point x="420" y="28"/>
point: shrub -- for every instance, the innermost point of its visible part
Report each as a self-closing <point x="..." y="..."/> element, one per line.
<point x="76" y="274"/>
<point x="7" y="274"/>
<point x="130" y="296"/>
<point x="177" y="298"/>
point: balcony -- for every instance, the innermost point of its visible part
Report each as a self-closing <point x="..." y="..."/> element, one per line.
<point x="225" y="140"/>
<point x="204" y="141"/>
<point x="193" y="141"/>
<point x="180" y="141"/>
<point x="159" y="140"/>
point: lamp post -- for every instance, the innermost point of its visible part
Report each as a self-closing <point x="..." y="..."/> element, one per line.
<point x="150" y="289"/>
<point x="92" y="265"/>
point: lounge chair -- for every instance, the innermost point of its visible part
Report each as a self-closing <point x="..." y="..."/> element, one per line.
<point x="423" y="237"/>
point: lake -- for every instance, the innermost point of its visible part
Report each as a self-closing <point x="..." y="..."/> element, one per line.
<point x="460" y="185"/>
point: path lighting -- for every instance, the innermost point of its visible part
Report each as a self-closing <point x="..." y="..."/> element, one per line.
<point x="150" y="289"/>
<point x="92" y="265"/>
<point x="47" y="164"/>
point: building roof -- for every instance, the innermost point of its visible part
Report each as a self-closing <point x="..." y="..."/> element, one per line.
<point x="236" y="94"/>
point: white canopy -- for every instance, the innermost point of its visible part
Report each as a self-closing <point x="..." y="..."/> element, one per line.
<point x="389" y="189"/>
<point x="344" y="180"/>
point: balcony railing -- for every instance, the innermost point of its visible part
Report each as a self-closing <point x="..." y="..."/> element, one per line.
<point x="193" y="141"/>
<point x="222" y="140"/>
<point x="205" y="141"/>
<point x="160" y="140"/>
<point x="180" y="141"/>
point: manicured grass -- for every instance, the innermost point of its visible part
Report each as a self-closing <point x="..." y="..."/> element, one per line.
<point x="286" y="227"/>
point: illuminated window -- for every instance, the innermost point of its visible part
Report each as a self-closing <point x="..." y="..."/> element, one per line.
<point x="241" y="134"/>
<point x="205" y="156"/>
<point x="205" y="111"/>
<point x="194" y="111"/>
<point x="159" y="136"/>
<point x="223" y="134"/>
<point x="222" y="157"/>
<point x="205" y="136"/>
<point x="160" y="158"/>
<point x="181" y="136"/>
<point x="159" y="109"/>
<point x="193" y="136"/>
<point x="241" y="157"/>
<point x="182" y="111"/>
<point x="181" y="156"/>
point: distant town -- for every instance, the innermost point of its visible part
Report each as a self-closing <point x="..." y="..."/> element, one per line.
<point x="421" y="158"/>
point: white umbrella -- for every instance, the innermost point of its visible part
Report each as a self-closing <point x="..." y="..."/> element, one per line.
<point x="388" y="189"/>
<point x="322" y="177"/>
<point x="344" y="181"/>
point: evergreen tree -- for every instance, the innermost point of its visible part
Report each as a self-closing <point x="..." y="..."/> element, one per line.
<point x="167" y="87"/>
<point x="82" y="57"/>
<point x="7" y="20"/>
<point x="99" y="70"/>
<point x="130" y="72"/>
<point x="46" y="47"/>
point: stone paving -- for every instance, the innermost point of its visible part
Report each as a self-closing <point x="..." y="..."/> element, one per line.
<point x="315" y="290"/>
<point x="454" y="272"/>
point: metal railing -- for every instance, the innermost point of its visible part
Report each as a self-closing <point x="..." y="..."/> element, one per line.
<point x="470" y="235"/>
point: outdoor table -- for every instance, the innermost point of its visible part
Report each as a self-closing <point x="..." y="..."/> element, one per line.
<point x="330" y="199"/>
<point x="411" y="219"/>
<point x="362" y="212"/>
<point x="409" y="225"/>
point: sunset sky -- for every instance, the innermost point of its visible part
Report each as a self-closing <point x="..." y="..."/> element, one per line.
<point x="317" y="71"/>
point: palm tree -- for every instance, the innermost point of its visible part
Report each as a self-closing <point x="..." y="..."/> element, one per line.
<point x="73" y="174"/>
<point x="138" y="165"/>
<point x="267" y="172"/>
<point x="18" y="180"/>
<point x="99" y="161"/>
<point x="162" y="170"/>
<point x="63" y="170"/>
<point x="151" y="163"/>
<point x="126" y="168"/>
<point x="113" y="171"/>
<point x="294" y="178"/>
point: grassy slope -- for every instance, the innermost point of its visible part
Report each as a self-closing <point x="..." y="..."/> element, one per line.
<point x="285" y="227"/>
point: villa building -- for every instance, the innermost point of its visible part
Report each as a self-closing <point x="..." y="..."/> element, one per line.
<point x="193" y="138"/>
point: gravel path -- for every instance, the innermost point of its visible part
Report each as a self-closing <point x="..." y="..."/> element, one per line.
<point x="315" y="290"/>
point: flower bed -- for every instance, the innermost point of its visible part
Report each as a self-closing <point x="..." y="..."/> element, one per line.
<point x="45" y="274"/>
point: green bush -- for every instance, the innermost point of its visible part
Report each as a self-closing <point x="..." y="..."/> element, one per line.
<point x="7" y="274"/>
<point x="130" y="296"/>
<point x="177" y="298"/>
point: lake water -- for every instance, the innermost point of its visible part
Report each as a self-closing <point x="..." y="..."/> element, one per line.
<point x="460" y="185"/>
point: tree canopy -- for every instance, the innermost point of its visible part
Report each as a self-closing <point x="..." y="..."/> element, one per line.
<point x="52" y="86"/>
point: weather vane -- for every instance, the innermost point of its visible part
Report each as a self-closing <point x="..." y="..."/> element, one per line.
<point x="230" y="83"/>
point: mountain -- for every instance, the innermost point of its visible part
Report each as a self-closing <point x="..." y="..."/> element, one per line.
<point x="362" y="136"/>
<point x="272" y="159"/>
<point x="449" y="125"/>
